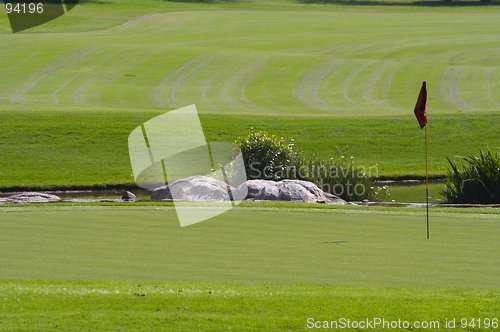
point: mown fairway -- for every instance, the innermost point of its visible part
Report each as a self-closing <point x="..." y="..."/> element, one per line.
<point x="326" y="75"/>
<point x="302" y="61"/>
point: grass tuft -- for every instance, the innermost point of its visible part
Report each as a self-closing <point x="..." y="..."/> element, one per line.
<point x="474" y="179"/>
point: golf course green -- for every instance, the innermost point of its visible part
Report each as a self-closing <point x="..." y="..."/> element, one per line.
<point x="329" y="74"/>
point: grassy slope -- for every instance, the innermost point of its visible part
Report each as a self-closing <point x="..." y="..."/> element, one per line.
<point x="326" y="75"/>
<point x="59" y="149"/>
<point x="44" y="149"/>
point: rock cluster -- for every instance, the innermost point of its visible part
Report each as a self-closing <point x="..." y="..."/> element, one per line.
<point x="202" y="188"/>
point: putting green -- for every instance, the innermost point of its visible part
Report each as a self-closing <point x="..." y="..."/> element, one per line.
<point x="251" y="245"/>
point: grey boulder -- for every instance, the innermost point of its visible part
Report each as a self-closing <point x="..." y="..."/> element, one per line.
<point x="128" y="196"/>
<point x="194" y="188"/>
<point x="295" y="192"/>
<point x="29" y="197"/>
<point x="289" y="190"/>
<point x="268" y="193"/>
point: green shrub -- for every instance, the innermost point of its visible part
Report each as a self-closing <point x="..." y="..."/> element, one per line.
<point x="474" y="180"/>
<point x="267" y="156"/>
<point x="272" y="158"/>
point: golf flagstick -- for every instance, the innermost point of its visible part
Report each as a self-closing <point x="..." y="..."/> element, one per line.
<point x="421" y="114"/>
<point x="427" y="179"/>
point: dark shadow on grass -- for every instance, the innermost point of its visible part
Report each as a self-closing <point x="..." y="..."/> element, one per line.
<point x="201" y="1"/>
<point x="98" y="2"/>
<point x="336" y="242"/>
<point x="430" y="3"/>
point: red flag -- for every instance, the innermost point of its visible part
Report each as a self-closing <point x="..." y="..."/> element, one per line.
<point x="421" y="107"/>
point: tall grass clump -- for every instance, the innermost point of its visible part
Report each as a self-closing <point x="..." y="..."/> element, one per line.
<point x="268" y="157"/>
<point x="341" y="177"/>
<point x="474" y="180"/>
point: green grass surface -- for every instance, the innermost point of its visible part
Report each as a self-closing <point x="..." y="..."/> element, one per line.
<point x="47" y="149"/>
<point x="333" y="62"/>
<point x="106" y="306"/>
<point x="257" y="267"/>
<point x="327" y="75"/>
<point x="251" y="244"/>
<point x="415" y="193"/>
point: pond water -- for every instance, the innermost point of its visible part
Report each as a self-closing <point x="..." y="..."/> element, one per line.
<point x="399" y="192"/>
<point x="101" y="195"/>
<point x="91" y="195"/>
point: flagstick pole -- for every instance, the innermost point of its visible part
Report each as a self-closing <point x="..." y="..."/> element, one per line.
<point x="427" y="179"/>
